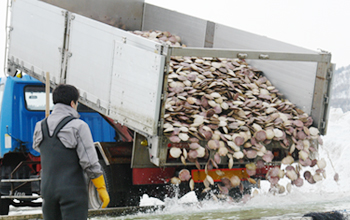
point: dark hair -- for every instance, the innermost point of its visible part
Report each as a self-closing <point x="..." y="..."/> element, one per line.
<point x="65" y="94"/>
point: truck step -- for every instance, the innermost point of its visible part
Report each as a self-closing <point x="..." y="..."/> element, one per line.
<point x="19" y="180"/>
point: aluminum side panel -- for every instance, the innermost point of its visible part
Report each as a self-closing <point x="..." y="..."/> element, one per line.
<point x="192" y="30"/>
<point x="228" y="37"/>
<point x="37" y="37"/>
<point x="125" y="14"/>
<point x="296" y="80"/>
<point x="91" y="58"/>
<point x="137" y="82"/>
<point x="117" y="73"/>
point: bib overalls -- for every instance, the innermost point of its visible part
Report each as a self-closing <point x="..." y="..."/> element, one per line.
<point x="63" y="186"/>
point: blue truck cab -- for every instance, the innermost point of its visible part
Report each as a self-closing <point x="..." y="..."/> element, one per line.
<point x="22" y="105"/>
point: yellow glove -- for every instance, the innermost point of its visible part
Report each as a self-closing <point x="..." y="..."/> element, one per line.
<point x="100" y="185"/>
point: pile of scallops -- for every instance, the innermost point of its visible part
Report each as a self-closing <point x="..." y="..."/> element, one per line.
<point x="229" y="113"/>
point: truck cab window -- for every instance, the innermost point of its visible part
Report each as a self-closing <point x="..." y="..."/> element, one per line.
<point x="35" y="98"/>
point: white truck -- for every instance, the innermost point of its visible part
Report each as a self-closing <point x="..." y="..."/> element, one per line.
<point x="124" y="76"/>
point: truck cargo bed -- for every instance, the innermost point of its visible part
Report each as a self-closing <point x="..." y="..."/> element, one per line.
<point x="123" y="76"/>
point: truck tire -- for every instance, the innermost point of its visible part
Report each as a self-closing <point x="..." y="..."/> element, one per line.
<point x="94" y="200"/>
<point x="4" y="206"/>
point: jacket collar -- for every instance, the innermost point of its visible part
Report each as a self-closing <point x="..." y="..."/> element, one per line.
<point x="60" y="108"/>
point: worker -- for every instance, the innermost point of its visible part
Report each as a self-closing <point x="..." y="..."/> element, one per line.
<point x="67" y="150"/>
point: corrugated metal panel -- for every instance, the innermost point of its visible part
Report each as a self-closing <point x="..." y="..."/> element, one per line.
<point x="125" y="14"/>
<point x="191" y="29"/>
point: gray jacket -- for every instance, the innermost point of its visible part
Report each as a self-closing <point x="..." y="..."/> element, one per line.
<point x="75" y="134"/>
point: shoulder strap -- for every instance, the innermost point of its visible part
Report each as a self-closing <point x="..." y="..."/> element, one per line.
<point x="45" y="128"/>
<point x="62" y="124"/>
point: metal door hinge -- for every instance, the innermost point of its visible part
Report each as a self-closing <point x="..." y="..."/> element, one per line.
<point x="160" y="50"/>
<point x="326" y="99"/>
<point x="329" y="73"/>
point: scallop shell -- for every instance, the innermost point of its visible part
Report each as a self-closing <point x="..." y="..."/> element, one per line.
<point x="232" y="145"/>
<point x="183" y="160"/>
<point x="201" y="152"/>
<point x="289" y="187"/>
<point x="238" y="155"/>
<point x="251" y="154"/>
<point x="235" y="181"/>
<point x="183" y="129"/>
<point x="184" y="137"/>
<point x="303" y="155"/>
<point x="175" y="139"/>
<point x="209" y="179"/>
<point x="336" y="177"/>
<point x="268" y="156"/>
<point x="317" y="177"/>
<point x="270" y="134"/>
<point x="278" y="133"/>
<point x="194" y="145"/>
<point x="313" y="131"/>
<point x="216" y="65"/>
<point x="256" y="127"/>
<point x="191" y="100"/>
<point x="298" y="182"/>
<point x="184" y="175"/>
<point x="292" y="175"/>
<point x="288" y="160"/>
<point x="175" y="181"/>
<point x="292" y="148"/>
<point x="175" y="152"/>
<point x="223" y="151"/>
<point x="321" y="163"/>
<point x="191" y="184"/>
<point x="169" y="129"/>
<point x="184" y="153"/>
<point x="230" y="163"/>
<point x="281" y="189"/>
<point x="192" y="154"/>
<point x="260" y="135"/>
<point x="213" y="144"/>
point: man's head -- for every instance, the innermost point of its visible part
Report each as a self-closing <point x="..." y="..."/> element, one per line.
<point x="65" y="94"/>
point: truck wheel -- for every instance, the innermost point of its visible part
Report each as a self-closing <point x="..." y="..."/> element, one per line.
<point x="4" y="206"/>
<point x="94" y="200"/>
